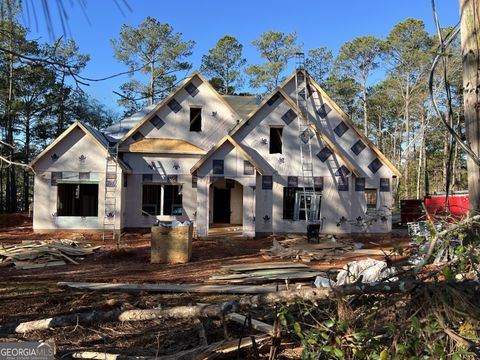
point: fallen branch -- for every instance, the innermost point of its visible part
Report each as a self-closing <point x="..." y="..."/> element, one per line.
<point x="170" y="288"/>
<point x="179" y="312"/>
<point x="219" y="310"/>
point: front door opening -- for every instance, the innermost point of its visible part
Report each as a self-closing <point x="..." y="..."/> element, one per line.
<point x="221" y="205"/>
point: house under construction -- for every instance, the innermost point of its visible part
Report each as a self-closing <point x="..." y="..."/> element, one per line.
<point x="270" y="166"/>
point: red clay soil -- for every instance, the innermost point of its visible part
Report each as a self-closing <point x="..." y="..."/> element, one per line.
<point x="131" y="263"/>
<point x="33" y="294"/>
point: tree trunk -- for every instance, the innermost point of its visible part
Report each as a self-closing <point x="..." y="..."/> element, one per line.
<point x="421" y="156"/>
<point x="61" y="114"/>
<point x="470" y="31"/>
<point x="26" y="175"/>
<point x="11" y="191"/>
<point x="365" y="110"/>
<point x="407" y="135"/>
<point x="446" y="140"/>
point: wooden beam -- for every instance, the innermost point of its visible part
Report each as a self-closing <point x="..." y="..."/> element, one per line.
<point x="170" y="288"/>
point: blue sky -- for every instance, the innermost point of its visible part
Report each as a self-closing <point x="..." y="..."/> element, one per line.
<point x="317" y="23"/>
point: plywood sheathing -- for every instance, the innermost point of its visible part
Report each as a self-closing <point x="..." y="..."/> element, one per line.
<point x="163" y="146"/>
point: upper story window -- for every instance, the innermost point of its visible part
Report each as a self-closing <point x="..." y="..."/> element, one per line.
<point x="196" y="119"/>
<point x="276" y="140"/>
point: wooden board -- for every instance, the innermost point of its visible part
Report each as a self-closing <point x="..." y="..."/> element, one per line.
<point x="264" y="266"/>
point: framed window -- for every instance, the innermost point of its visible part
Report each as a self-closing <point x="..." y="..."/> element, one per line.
<point x="191" y="89"/>
<point x="174" y="105"/>
<point x="324" y="154"/>
<point x="323" y="110"/>
<point x="267" y="182"/>
<point x="384" y="185"/>
<point x="248" y="168"/>
<point x="137" y="136"/>
<point x="272" y="100"/>
<point x="293" y="181"/>
<point x="289" y="202"/>
<point x="157" y="122"/>
<point x="342" y="171"/>
<point x="196" y="119"/>
<point x="289" y="116"/>
<point x="297" y="203"/>
<point x="358" y="147"/>
<point x="342" y="182"/>
<point x="194" y="181"/>
<point x="152" y="199"/>
<point x="375" y="165"/>
<point x="218" y="167"/>
<point x="77" y="200"/>
<point x="160" y="199"/>
<point x="341" y="129"/>
<point x="371" y="199"/>
<point x="54" y="177"/>
<point x="318" y="183"/>
<point x="172" y="203"/>
<point x="276" y="140"/>
<point x="359" y="184"/>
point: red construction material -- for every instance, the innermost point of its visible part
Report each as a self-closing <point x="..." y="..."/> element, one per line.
<point x="458" y="203"/>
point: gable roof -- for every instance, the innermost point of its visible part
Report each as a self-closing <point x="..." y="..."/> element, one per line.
<point x="347" y="119"/>
<point x="163" y="146"/>
<point x="97" y="137"/>
<point x="140" y="118"/>
<point x="295" y="108"/>
<point x="218" y="145"/>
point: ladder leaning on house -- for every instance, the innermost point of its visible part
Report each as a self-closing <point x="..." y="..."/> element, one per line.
<point x="110" y="198"/>
<point x="309" y="203"/>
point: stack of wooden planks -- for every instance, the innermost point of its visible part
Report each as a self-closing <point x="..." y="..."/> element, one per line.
<point x="266" y="272"/>
<point x="300" y="249"/>
<point x="34" y="254"/>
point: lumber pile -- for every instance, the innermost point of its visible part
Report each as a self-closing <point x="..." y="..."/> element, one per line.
<point x="266" y="272"/>
<point x="301" y="250"/>
<point x="35" y="254"/>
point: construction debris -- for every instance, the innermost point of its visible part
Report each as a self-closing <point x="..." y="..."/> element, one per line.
<point x="34" y="254"/>
<point x="266" y="272"/>
<point x="299" y="249"/>
<point x="361" y="271"/>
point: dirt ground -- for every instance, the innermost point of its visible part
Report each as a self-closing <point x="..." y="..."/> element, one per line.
<point x="33" y="294"/>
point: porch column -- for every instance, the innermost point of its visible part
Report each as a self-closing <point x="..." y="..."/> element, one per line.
<point x="202" y="206"/>
<point x="248" y="211"/>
